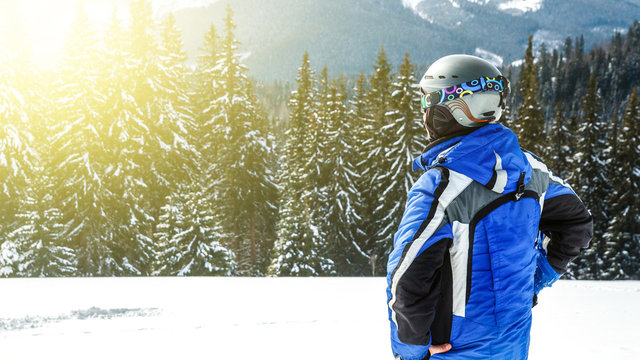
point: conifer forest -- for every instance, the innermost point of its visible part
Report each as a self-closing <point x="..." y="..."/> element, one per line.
<point x="128" y="160"/>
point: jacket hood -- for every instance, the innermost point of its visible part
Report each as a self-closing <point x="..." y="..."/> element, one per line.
<point x="490" y="155"/>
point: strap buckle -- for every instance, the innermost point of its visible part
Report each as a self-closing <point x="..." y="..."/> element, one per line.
<point x="520" y="190"/>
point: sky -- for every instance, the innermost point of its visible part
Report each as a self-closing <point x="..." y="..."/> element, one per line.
<point x="47" y="21"/>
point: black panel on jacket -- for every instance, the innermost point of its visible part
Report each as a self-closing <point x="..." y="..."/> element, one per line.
<point x="444" y="182"/>
<point x="441" y="326"/>
<point x="418" y="293"/>
<point x="568" y="223"/>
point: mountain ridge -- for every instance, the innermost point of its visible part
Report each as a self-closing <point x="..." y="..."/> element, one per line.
<point x="346" y="35"/>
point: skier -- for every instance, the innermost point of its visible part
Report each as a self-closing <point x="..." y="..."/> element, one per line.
<point x="485" y="228"/>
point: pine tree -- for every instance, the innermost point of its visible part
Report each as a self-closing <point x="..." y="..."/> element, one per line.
<point x="189" y="235"/>
<point x="245" y="188"/>
<point x="18" y="156"/>
<point x="507" y="114"/>
<point x="615" y="71"/>
<point x="262" y="194"/>
<point x="295" y="253"/>
<point x="207" y="92"/>
<point x="380" y="161"/>
<point x="362" y="123"/>
<point x="40" y="239"/>
<point x="545" y="80"/>
<point x="208" y="136"/>
<point x="591" y="183"/>
<point x="147" y="180"/>
<point x="341" y="194"/>
<point x="77" y="156"/>
<point x="316" y="166"/>
<point x="409" y="139"/>
<point x="530" y="123"/>
<point x="577" y="74"/>
<point x="173" y="157"/>
<point x="127" y="108"/>
<point x="16" y="161"/>
<point x="559" y="137"/>
<point x="44" y="249"/>
<point x="623" y="232"/>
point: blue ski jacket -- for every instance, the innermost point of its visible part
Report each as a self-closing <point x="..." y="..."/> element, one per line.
<point x="464" y="258"/>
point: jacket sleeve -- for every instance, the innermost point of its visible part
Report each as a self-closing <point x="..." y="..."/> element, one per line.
<point x="567" y="223"/>
<point x="413" y="270"/>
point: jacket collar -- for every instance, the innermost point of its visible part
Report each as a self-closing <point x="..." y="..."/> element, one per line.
<point x="482" y="154"/>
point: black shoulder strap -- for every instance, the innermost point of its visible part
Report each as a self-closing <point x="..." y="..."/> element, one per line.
<point x="520" y="187"/>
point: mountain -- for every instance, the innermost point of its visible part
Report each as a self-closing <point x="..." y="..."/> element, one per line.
<point x="345" y="35"/>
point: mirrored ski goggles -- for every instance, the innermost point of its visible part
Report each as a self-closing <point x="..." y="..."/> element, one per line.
<point x="499" y="84"/>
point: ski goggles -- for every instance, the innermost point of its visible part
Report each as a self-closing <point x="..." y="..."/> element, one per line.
<point x="498" y="84"/>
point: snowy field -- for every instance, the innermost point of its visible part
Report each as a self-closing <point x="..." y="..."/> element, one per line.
<point x="274" y="318"/>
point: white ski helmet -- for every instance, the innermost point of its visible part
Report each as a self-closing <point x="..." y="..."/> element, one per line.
<point x="461" y="92"/>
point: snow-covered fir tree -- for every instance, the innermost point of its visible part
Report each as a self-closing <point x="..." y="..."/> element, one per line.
<point x="530" y="118"/>
<point x="18" y="156"/>
<point x="77" y="157"/>
<point x="241" y="175"/>
<point x="17" y="159"/>
<point x="40" y="239"/>
<point x="127" y="107"/>
<point x="545" y="80"/>
<point x="153" y="80"/>
<point x="260" y="202"/>
<point x="590" y="181"/>
<point x="317" y="148"/>
<point x="559" y="147"/>
<point x="623" y="233"/>
<point x="380" y="161"/>
<point x="507" y="115"/>
<point x="295" y="252"/>
<point x="189" y="237"/>
<point x="173" y="158"/>
<point x="340" y="214"/>
<point x="409" y="139"/>
<point x="362" y="132"/>
<point x="319" y="173"/>
<point x="206" y="92"/>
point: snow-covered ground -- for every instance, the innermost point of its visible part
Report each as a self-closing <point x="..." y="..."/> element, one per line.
<point x="274" y="318"/>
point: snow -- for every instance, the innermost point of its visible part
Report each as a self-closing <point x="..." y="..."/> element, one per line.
<point x="551" y="39"/>
<point x="274" y="318"/>
<point x="454" y="4"/>
<point x="494" y="59"/>
<point x="518" y="62"/>
<point x="521" y="5"/>
<point x="413" y="5"/>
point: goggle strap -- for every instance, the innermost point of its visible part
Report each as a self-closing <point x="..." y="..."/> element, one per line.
<point x="499" y="84"/>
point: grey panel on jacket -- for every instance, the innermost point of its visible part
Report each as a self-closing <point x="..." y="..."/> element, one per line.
<point x="476" y="196"/>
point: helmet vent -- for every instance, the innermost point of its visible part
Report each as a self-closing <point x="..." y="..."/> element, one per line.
<point x="488" y="113"/>
<point x="442" y="77"/>
<point x="454" y="76"/>
<point x="428" y="77"/>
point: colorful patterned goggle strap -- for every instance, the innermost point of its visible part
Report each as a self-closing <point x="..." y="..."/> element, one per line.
<point x="499" y="84"/>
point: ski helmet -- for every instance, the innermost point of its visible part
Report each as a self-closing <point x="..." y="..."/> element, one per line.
<point x="461" y="92"/>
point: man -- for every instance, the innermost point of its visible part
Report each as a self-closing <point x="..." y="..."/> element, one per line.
<point x="468" y="260"/>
